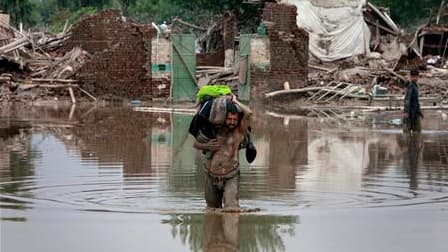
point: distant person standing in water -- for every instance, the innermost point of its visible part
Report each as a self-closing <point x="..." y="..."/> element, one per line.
<point x="412" y="113"/>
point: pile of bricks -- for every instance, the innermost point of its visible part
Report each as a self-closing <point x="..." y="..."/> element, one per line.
<point x="288" y="51"/>
<point x="121" y="62"/>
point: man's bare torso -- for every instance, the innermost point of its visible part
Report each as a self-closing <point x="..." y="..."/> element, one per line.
<point x="225" y="160"/>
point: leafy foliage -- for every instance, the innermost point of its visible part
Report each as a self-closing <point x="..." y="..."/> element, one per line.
<point x="21" y="11"/>
<point x="60" y="17"/>
<point x="407" y="13"/>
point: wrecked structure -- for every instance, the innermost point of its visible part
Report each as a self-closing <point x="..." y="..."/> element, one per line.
<point x="103" y="55"/>
<point x="285" y="59"/>
<point x="431" y="38"/>
<point x="327" y="50"/>
<point x="121" y="55"/>
<point x="5" y="34"/>
<point x="355" y="50"/>
<point x="337" y="28"/>
<point x="137" y="61"/>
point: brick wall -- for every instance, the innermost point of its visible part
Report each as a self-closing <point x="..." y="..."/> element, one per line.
<point x="288" y="51"/>
<point x="229" y="30"/>
<point x="161" y="87"/>
<point x="121" y="62"/>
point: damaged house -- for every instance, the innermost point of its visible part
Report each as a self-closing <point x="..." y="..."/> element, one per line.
<point x="341" y="29"/>
<point x="121" y="55"/>
<point x="252" y="64"/>
<point x="432" y="37"/>
<point x="355" y="44"/>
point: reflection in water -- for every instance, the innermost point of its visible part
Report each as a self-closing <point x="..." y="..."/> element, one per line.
<point x="116" y="135"/>
<point x="221" y="232"/>
<point x="231" y="231"/>
<point x="148" y="161"/>
<point x="287" y="152"/>
<point x="17" y="157"/>
<point x="411" y="158"/>
<point x="118" y="162"/>
<point x="185" y="172"/>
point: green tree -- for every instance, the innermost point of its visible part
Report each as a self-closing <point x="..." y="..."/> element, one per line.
<point x="154" y="10"/>
<point x="47" y="10"/>
<point x="21" y="11"/>
<point x="124" y="4"/>
<point x="100" y="4"/>
<point x="408" y="13"/>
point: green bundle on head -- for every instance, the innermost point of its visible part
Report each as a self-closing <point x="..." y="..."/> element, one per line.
<point x="212" y="91"/>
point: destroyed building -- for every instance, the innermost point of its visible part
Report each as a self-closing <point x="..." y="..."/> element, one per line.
<point x="281" y="56"/>
<point x="432" y="37"/>
<point x="6" y="37"/>
<point x="341" y="46"/>
<point x="121" y="61"/>
<point x="251" y="64"/>
<point x="5" y="34"/>
<point x="106" y="56"/>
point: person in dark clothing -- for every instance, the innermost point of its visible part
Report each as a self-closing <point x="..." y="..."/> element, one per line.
<point x="412" y="111"/>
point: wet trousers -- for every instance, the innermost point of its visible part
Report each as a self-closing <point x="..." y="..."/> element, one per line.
<point x="221" y="191"/>
<point x="413" y="124"/>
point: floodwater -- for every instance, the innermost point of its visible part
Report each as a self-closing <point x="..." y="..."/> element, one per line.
<point x="116" y="179"/>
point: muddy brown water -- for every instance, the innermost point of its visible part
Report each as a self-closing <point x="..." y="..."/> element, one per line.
<point x="114" y="179"/>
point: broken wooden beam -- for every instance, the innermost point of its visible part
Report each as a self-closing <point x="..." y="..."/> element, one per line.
<point x="308" y="89"/>
<point x="30" y="86"/>
<point x="321" y="68"/>
<point x="72" y="95"/>
<point x="52" y="80"/>
<point x="382" y="27"/>
<point x="180" y="21"/>
<point x="396" y="75"/>
<point x="87" y="93"/>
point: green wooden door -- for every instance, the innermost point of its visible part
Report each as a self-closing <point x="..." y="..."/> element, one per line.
<point x="183" y="67"/>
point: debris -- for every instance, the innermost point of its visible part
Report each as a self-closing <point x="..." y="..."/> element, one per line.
<point x="180" y="21"/>
<point x="28" y="61"/>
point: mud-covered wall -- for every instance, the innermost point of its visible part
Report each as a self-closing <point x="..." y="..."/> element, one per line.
<point x="288" y="52"/>
<point x="161" y="67"/>
<point x="121" y="61"/>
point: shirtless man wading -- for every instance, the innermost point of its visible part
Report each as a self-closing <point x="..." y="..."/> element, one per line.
<point x="220" y="157"/>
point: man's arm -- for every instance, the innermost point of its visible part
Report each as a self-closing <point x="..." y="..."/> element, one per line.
<point x="211" y="145"/>
<point x="246" y="111"/>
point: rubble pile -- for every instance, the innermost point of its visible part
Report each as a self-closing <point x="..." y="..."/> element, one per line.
<point x="33" y="52"/>
<point x="32" y="68"/>
<point x="107" y="55"/>
<point x="432" y="81"/>
<point x="121" y="61"/>
<point x="102" y="55"/>
<point x="387" y="65"/>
